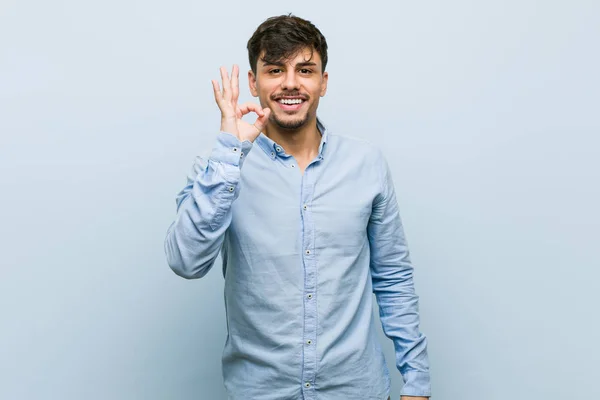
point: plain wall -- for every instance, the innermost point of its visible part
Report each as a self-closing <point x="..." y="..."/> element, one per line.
<point x="488" y="113"/>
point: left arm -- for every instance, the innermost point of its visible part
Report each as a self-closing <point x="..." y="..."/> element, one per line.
<point x="392" y="277"/>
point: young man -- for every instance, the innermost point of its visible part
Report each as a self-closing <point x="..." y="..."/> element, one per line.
<point x="308" y="226"/>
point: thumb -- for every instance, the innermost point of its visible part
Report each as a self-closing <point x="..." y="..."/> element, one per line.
<point x="261" y="122"/>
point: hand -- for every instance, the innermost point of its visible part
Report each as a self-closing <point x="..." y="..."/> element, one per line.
<point x="232" y="113"/>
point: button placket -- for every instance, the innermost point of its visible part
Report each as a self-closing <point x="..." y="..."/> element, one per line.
<point x="310" y="309"/>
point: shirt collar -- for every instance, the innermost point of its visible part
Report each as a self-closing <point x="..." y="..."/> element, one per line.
<point x="270" y="147"/>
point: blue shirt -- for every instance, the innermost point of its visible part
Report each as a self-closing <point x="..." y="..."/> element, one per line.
<point x="302" y="253"/>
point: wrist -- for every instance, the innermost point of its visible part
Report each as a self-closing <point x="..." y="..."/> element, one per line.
<point x="229" y="125"/>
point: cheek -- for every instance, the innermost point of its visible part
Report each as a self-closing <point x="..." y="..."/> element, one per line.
<point x="264" y="97"/>
<point x="266" y="91"/>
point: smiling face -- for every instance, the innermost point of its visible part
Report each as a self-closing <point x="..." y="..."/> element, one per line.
<point x="290" y="88"/>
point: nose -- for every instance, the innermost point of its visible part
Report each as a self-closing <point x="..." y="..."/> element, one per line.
<point x="290" y="81"/>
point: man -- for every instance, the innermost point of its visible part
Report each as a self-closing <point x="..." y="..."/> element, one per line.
<point x="308" y="226"/>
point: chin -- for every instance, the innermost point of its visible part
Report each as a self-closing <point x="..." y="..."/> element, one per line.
<point x="290" y="123"/>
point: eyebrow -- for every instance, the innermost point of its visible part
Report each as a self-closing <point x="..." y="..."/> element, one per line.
<point x="281" y="64"/>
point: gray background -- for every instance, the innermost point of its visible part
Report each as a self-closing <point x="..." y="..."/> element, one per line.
<point x="487" y="112"/>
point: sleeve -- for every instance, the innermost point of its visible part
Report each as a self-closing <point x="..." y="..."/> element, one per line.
<point x="392" y="277"/>
<point x="194" y="239"/>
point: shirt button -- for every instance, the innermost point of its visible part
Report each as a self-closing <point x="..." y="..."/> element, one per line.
<point x="309" y="341"/>
<point x="241" y="154"/>
<point x="231" y="189"/>
<point x="278" y="149"/>
<point x="305" y="207"/>
<point x="235" y="149"/>
<point x="272" y="154"/>
<point x="307" y="251"/>
<point x="293" y="166"/>
<point x="307" y="385"/>
<point x="309" y="295"/>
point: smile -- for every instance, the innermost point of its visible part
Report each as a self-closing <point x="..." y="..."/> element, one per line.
<point x="292" y="104"/>
<point x="290" y="101"/>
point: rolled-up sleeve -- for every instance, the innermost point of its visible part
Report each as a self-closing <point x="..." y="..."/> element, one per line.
<point x="194" y="239"/>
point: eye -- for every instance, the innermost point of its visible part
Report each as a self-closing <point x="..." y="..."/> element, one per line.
<point x="306" y="71"/>
<point x="274" y="71"/>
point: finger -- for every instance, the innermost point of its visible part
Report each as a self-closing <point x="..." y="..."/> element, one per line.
<point x="261" y="121"/>
<point x="217" y="91"/>
<point x="235" y="84"/>
<point x="251" y="107"/>
<point x="226" y="84"/>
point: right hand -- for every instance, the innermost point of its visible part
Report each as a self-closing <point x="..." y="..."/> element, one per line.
<point x="232" y="112"/>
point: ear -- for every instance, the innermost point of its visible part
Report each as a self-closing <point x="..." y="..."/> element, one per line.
<point x="252" y="83"/>
<point x="324" y="80"/>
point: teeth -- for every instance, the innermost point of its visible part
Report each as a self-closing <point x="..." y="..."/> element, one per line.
<point x="290" y="101"/>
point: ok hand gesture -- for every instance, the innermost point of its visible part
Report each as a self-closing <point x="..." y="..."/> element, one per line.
<point x="232" y="112"/>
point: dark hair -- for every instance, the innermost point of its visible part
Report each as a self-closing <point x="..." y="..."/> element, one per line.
<point x="282" y="37"/>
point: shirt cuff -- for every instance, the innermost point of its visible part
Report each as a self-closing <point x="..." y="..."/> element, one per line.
<point x="230" y="150"/>
<point x="416" y="383"/>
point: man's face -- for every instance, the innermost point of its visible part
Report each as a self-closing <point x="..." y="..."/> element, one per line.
<point x="290" y="88"/>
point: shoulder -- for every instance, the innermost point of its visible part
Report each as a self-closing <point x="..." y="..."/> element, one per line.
<point x="360" y="149"/>
<point x="365" y="155"/>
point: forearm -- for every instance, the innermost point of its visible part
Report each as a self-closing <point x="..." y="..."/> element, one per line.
<point x="399" y="315"/>
<point x="191" y="245"/>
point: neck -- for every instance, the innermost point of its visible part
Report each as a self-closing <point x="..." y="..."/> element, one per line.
<point x="302" y="143"/>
